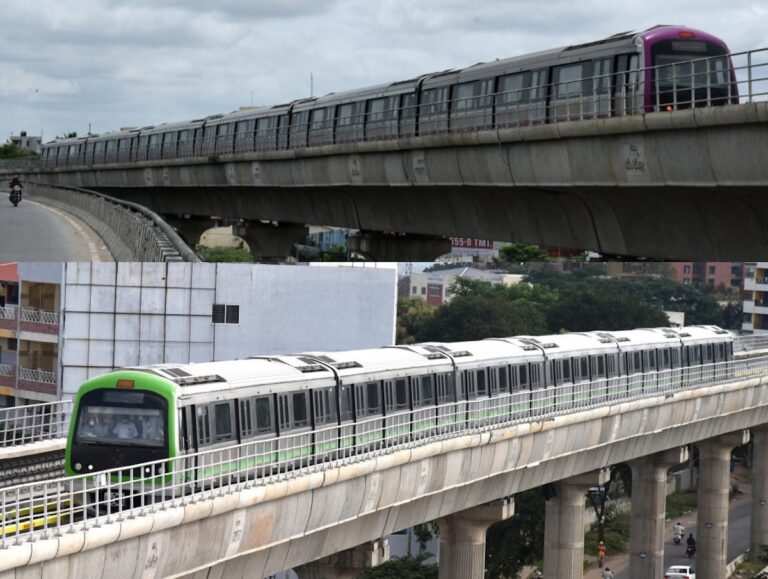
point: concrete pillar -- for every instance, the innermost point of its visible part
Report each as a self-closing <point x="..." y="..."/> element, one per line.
<point x="564" y="526"/>
<point x="759" y="490"/>
<point x="348" y="564"/>
<point x="398" y="247"/>
<point x="714" y="487"/>
<point x="271" y="240"/>
<point x="649" y="502"/>
<point x="462" y="539"/>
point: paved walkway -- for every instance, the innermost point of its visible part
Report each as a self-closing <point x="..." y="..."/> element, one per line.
<point x="35" y="232"/>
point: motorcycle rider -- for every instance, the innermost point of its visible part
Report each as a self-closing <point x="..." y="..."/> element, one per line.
<point x="691" y="550"/>
<point x="15" y="186"/>
<point x="678" y="532"/>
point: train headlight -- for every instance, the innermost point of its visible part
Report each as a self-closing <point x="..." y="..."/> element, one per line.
<point x="90" y="467"/>
<point x="78" y="466"/>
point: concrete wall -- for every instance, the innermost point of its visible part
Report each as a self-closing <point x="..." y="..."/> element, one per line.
<point x="126" y="314"/>
<point x="265" y="529"/>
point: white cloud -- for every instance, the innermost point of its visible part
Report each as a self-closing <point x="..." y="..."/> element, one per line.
<point x="135" y="62"/>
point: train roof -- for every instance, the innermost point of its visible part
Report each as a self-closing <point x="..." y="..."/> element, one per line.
<point x="384" y="363"/>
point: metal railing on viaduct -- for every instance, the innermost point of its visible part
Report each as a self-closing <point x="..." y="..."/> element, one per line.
<point x="76" y="506"/>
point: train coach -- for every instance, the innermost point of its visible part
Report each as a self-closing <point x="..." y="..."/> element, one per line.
<point x="310" y="407"/>
<point x="661" y="68"/>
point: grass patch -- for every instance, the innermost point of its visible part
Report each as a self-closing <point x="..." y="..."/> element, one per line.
<point x="679" y="504"/>
<point x="224" y="254"/>
<point x="616" y="534"/>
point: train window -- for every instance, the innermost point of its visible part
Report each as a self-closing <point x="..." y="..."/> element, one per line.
<point x="503" y="379"/>
<point x="325" y="406"/>
<point x="665" y="358"/>
<point x="396" y="394"/>
<point x="598" y="366"/>
<point x="601" y="73"/>
<point x="651" y="357"/>
<point x="446" y="391"/>
<point x="522" y="372"/>
<point x="565" y="370"/>
<point x="368" y="399"/>
<point x="111" y="154"/>
<point x="567" y="80"/>
<point x="433" y="112"/>
<point x="170" y="141"/>
<point x="256" y="416"/>
<point x="222" y="422"/>
<point x="423" y="391"/>
<point x="467" y="385"/>
<point x="98" y="152"/>
<point x="154" y="146"/>
<point x="300" y="410"/>
<point x="470" y="96"/>
<point x="537" y="85"/>
<point x="346" y="402"/>
<point x="481" y="384"/>
<point x="266" y="134"/>
<point x="203" y="426"/>
<point x="583" y="368"/>
<point x="535" y="375"/>
<point x="510" y="89"/>
<point x="299" y="125"/>
<point x="709" y="353"/>
<point x="674" y="357"/>
<point x="348" y="114"/>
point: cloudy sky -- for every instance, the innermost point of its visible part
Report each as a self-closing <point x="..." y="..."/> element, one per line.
<point x="111" y="63"/>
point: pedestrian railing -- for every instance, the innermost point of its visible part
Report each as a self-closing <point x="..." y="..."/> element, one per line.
<point x="37" y="375"/>
<point x="35" y="316"/>
<point x="33" y="423"/>
<point x="76" y="504"/>
<point x="8" y="312"/>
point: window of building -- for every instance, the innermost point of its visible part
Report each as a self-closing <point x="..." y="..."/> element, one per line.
<point x="711" y="270"/>
<point x="225" y="314"/>
<point x="424" y="290"/>
<point x="686" y="269"/>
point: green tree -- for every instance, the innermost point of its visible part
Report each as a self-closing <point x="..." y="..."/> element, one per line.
<point x="602" y="309"/>
<point x="521" y="253"/>
<point x="11" y="151"/>
<point x="406" y="568"/>
<point x="519" y="541"/>
<point x="412" y="315"/>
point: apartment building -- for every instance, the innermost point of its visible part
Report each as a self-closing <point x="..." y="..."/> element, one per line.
<point x="61" y="324"/>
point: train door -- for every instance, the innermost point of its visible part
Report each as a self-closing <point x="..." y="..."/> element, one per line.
<point x="424" y="412"/>
<point x="626" y="86"/>
<point x="294" y="448"/>
<point x="599" y="384"/>
<point x="447" y="405"/>
<point x="397" y="409"/>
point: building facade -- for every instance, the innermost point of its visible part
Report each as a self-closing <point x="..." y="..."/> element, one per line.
<point x="61" y="324"/>
<point x="756" y="298"/>
<point x="715" y="274"/>
<point x="434" y="286"/>
<point x="27" y="142"/>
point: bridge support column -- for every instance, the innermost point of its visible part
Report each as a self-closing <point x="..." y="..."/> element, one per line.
<point x="564" y="526"/>
<point x="759" y="539"/>
<point x="269" y="240"/>
<point x="398" y="247"/>
<point x="347" y="564"/>
<point x="649" y="498"/>
<point x="714" y="487"/>
<point x="462" y="539"/>
<point x="190" y="228"/>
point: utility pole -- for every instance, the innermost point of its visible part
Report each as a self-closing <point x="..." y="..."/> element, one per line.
<point x="311" y="85"/>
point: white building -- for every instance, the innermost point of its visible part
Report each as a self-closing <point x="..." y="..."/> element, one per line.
<point x="108" y="315"/>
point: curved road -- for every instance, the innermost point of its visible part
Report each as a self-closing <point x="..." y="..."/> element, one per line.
<point x="35" y="232"/>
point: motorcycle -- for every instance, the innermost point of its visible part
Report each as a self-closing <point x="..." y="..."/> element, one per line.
<point x="16" y="195"/>
<point x="691" y="551"/>
<point x="677" y="539"/>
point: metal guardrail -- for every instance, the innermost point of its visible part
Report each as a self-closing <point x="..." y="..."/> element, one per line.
<point x="76" y="504"/>
<point x="35" y="316"/>
<point x="7" y="370"/>
<point x="736" y="78"/>
<point x="132" y="232"/>
<point x="748" y="343"/>
<point x="33" y="423"/>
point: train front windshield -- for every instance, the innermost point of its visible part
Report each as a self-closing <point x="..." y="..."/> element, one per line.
<point x="676" y="72"/>
<point x="119" y="427"/>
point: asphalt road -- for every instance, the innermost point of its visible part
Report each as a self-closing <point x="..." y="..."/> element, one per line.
<point x="34" y="232"/>
<point x="738" y="540"/>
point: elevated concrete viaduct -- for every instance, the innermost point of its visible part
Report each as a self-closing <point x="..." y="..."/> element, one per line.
<point x="262" y="529"/>
<point x="684" y="184"/>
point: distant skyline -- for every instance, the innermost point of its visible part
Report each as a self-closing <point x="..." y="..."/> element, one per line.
<point x="113" y="63"/>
